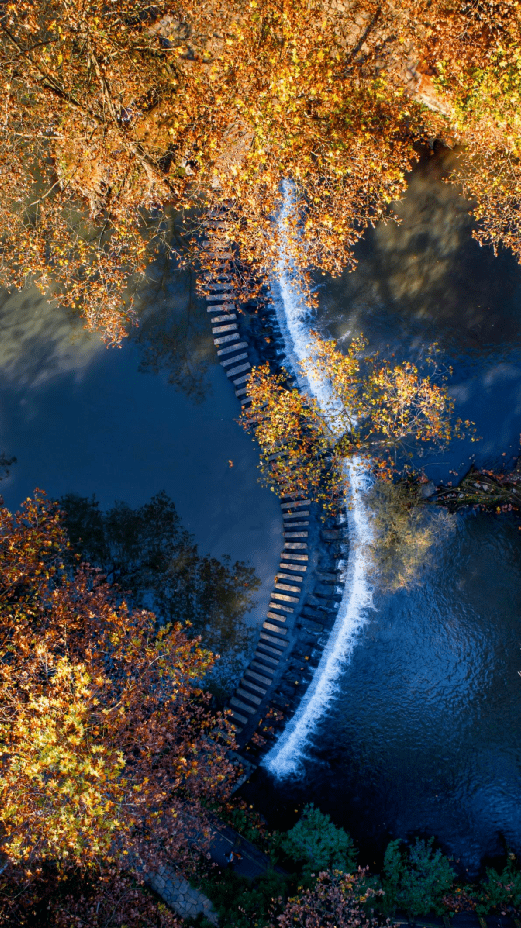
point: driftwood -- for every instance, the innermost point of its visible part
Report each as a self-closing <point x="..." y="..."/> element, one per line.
<point x="484" y="490"/>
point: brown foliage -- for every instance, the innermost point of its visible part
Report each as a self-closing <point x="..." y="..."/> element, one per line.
<point x="75" y="898"/>
<point x="107" y="744"/>
<point x="386" y="411"/>
<point x="337" y="900"/>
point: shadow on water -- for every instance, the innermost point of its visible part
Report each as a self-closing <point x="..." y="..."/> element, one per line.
<point x="173" y="333"/>
<point x="426" y="280"/>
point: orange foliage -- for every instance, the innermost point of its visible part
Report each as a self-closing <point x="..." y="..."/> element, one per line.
<point x="385" y="411"/>
<point x="107" y="744"/>
<point x="111" y="114"/>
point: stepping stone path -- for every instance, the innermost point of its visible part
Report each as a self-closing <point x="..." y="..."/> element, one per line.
<point x="303" y="605"/>
<point x="184" y="899"/>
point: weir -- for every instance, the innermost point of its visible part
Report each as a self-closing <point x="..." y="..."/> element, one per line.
<point x="287" y="755"/>
<point x="320" y="596"/>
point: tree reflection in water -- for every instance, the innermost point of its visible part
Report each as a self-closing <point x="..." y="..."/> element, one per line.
<point x="173" y="331"/>
<point x="149" y="554"/>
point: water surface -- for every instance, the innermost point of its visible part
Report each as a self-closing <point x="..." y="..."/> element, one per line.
<point x="424" y="734"/>
<point x="83" y="418"/>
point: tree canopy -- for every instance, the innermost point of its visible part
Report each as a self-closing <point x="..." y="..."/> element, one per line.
<point x="107" y="742"/>
<point x="390" y="412"/>
<point x="111" y="114"/>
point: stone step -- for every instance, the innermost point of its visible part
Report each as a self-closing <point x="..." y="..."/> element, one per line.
<point x="296" y="502"/>
<point x="288" y="577"/>
<point x="295" y="515"/>
<point x="287" y="588"/>
<point x="249" y="696"/>
<point x="253" y="686"/>
<point x="239" y="370"/>
<point x="292" y="526"/>
<point x="270" y="627"/>
<point x="234" y="359"/>
<point x="295" y="557"/>
<point x="228" y="297"/>
<point x="241" y="705"/>
<point x="217" y="320"/>
<point x="231" y="348"/>
<point x="219" y="329"/>
<point x="264" y="647"/>
<point x="284" y="598"/>
<point x="270" y="639"/>
<point x="224" y="286"/>
<point x="224" y="339"/>
<point x="216" y="245"/>
<point x="259" y="678"/>
<point x="296" y="569"/>
<point x="242" y="379"/>
<point x="216" y="275"/>
<point x="244" y="400"/>
<point x="288" y="534"/>
<point x="242" y="391"/>
<point x="295" y="545"/>
<point x="240" y="718"/>
<point x="225" y="307"/>
<point x="276" y="617"/>
<point x="281" y="607"/>
<point x="264" y="662"/>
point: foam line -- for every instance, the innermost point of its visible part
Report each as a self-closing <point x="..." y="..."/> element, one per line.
<point x="287" y="755"/>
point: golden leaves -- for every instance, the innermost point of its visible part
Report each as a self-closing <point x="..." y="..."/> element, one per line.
<point x="375" y="408"/>
<point x="96" y="707"/>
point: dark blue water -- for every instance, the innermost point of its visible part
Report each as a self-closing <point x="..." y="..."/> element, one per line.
<point x="424" y="736"/>
<point x="83" y="418"/>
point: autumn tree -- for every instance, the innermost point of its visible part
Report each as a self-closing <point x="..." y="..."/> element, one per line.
<point x="388" y="412"/>
<point x="107" y="743"/>
<point x="110" y="114"/>
<point x="73" y="897"/>
<point x="113" y="114"/>
<point x="338" y="900"/>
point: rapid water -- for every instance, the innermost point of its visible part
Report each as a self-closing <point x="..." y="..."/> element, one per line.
<point x="287" y="755"/>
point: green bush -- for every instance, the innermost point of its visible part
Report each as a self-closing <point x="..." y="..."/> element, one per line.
<point x="501" y="890"/>
<point x="317" y="844"/>
<point x="416" y="879"/>
<point x="243" y="904"/>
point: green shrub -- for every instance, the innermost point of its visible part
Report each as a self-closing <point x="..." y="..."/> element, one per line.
<point x="317" y="844"/>
<point x="416" y="879"/>
<point x="241" y="903"/>
<point x="501" y="890"/>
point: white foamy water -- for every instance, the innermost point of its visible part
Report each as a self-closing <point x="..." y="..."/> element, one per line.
<point x="287" y="755"/>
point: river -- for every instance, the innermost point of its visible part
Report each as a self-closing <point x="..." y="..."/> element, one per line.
<point x="423" y="734"/>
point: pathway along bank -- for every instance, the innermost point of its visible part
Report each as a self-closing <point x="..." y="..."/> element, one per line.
<point x="308" y="586"/>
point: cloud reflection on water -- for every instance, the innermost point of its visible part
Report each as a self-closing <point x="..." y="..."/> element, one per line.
<point x="40" y="340"/>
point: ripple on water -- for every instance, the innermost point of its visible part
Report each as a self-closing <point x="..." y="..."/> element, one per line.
<point x="425" y="733"/>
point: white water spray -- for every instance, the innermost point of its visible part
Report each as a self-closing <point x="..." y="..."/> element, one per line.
<point x="286" y="757"/>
